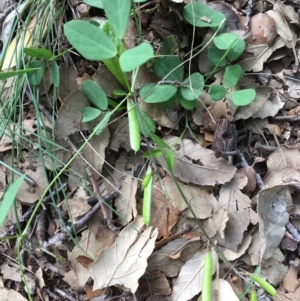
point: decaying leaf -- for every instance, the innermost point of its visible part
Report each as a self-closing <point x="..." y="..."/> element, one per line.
<point x="69" y="115"/>
<point x="171" y="257"/>
<point x="126" y="199"/>
<point x="96" y="238"/>
<point x="199" y="204"/>
<point x="126" y="260"/>
<point x="260" y="54"/>
<point x="284" y="28"/>
<point x="164" y="214"/>
<point x="271" y="208"/>
<point x="238" y="206"/>
<point x="207" y="169"/>
<point x="262" y="30"/>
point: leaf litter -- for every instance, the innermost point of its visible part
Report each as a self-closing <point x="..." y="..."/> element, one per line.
<point x="253" y="226"/>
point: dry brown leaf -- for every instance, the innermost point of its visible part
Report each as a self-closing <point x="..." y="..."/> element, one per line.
<point x="250" y="173"/>
<point x="284" y="28"/>
<point x="69" y="116"/>
<point x="271" y="208"/>
<point x="120" y="137"/>
<point x="220" y="109"/>
<point x="209" y="170"/>
<point x="201" y="107"/>
<point x="11" y="273"/>
<point x="281" y="159"/>
<point x="126" y="260"/>
<point x="27" y="194"/>
<point x="164" y="214"/>
<point x="284" y="175"/>
<point x="76" y="206"/>
<point x="155" y="284"/>
<point x="273" y="269"/>
<point x="238" y="206"/>
<point x="260" y="54"/>
<point x="71" y="278"/>
<point x="242" y="248"/>
<point x="262" y="30"/>
<point x="252" y="258"/>
<point x="125" y="200"/>
<point x="68" y="84"/>
<point x="199" y="204"/>
<point x="217" y="223"/>
<point x="161" y="260"/>
<point x="96" y="238"/>
<point x="290" y="281"/>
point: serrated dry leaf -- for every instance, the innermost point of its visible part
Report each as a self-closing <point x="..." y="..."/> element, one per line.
<point x="190" y="279"/>
<point x="126" y="260"/>
<point x="209" y="171"/>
